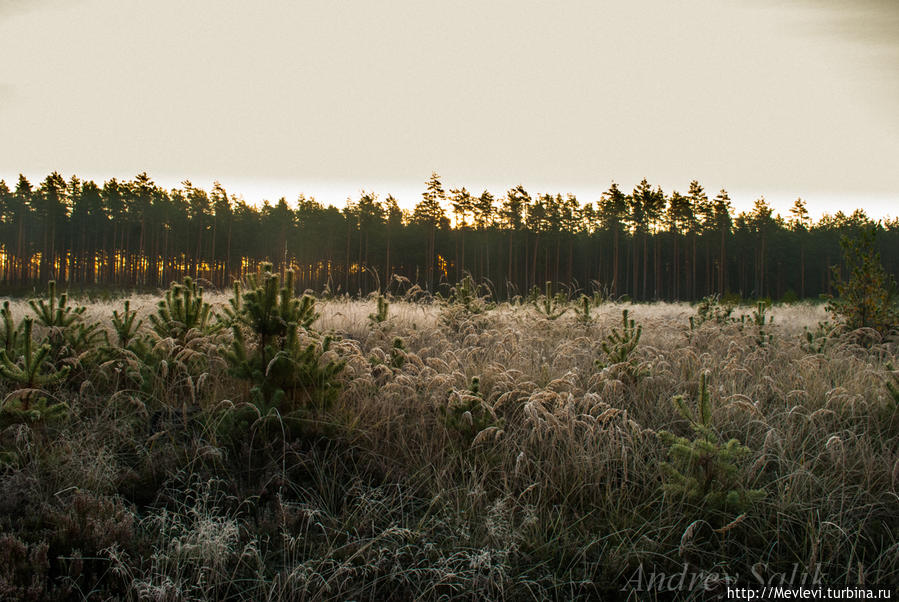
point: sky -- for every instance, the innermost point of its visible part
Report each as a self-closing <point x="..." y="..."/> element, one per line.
<point x="764" y="98"/>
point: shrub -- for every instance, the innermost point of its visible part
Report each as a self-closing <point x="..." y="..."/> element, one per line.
<point x="789" y="297"/>
<point x="892" y="383"/>
<point x="84" y="525"/>
<point x="23" y="570"/>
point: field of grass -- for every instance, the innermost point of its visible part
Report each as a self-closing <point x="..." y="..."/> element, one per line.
<point x="494" y="452"/>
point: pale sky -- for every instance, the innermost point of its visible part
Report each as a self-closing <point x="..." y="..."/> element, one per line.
<point x="275" y="98"/>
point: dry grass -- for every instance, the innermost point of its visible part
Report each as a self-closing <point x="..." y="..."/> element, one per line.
<point x="557" y="496"/>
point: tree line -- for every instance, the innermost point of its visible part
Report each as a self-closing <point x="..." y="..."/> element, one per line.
<point x="646" y="244"/>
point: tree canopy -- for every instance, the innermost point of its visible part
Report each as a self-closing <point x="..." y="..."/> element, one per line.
<point x="648" y="244"/>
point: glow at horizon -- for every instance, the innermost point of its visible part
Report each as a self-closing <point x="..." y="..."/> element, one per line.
<point x="327" y="99"/>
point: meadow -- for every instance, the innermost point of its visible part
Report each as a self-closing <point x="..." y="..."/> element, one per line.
<point x="264" y="445"/>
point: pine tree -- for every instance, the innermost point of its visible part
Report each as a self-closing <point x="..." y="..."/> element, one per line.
<point x="761" y="321"/>
<point x="463" y="204"/>
<point x="868" y="298"/>
<point x="469" y="297"/>
<point x="287" y="373"/>
<point x="550" y="306"/>
<point x="582" y="310"/>
<point x="721" y="209"/>
<point x="380" y="314"/>
<point x="613" y="210"/>
<point x="181" y="311"/>
<point x="27" y="409"/>
<point x="29" y="372"/>
<point x="799" y="225"/>
<point x="679" y="219"/>
<point x="429" y="213"/>
<point x="710" y="309"/>
<point x="619" y="347"/>
<point x="704" y="471"/>
<point x="466" y="413"/>
<point x="69" y="335"/>
<point x="700" y="219"/>
<point x="638" y="218"/>
<point x="268" y="307"/>
<point x="397" y="353"/>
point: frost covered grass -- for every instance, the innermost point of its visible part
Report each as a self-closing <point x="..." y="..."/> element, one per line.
<point x="486" y="456"/>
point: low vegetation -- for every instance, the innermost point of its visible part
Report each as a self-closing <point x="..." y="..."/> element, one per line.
<point x="268" y="445"/>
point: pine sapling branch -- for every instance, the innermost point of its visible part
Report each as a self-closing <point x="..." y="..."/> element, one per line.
<point x="126" y="324"/>
<point x="549" y="306"/>
<point x="10" y="333"/>
<point x="380" y="314"/>
<point x="55" y="311"/>
<point x="182" y="310"/>
<point x="582" y="311"/>
<point x="619" y="346"/>
<point x="27" y="370"/>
